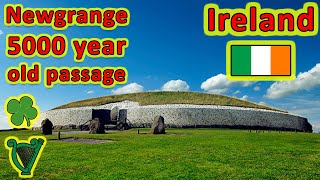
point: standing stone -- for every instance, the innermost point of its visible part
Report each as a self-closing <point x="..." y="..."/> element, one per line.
<point x="158" y="125"/>
<point x="46" y="126"/>
<point x="96" y="127"/>
<point x="114" y="113"/>
<point x="122" y="118"/>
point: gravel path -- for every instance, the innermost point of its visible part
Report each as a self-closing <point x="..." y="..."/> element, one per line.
<point x="77" y="132"/>
<point x="85" y="141"/>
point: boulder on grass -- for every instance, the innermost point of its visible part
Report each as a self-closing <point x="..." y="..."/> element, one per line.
<point x="158" y="125"/>
<point x="96" y="126"/>
<point x="114" y="113"/>
<point x="46" y="126"/>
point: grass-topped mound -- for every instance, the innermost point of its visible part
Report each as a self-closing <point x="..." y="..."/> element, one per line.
<point x="159" y="98"/>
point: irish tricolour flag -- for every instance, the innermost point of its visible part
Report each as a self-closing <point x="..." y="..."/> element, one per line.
<point x="260" y="60"/>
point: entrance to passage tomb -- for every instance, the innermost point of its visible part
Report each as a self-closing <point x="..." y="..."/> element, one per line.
<point x="103" y="115"/>
<point x="122" y="116"/>
<point x="122" y="121"/>
<point x="114" y="113"/>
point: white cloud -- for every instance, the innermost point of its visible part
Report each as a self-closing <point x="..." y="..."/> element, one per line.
<point x="245" y="83"/>
<point x="304" y="81"/>
<point x="256" y="88"/>
<point x="4" y="122"/>
<point x="245" y="97"/>
<point x="1" y="32"/>
<point x="90" y="92"/>
<point x="220" y="84"/>
<point x="130" y="88"/>
<point x="316" y="127"/>
<point x="175" y="85"/>
<point x="307" y="105"/>
<point x="309" y="111"/>
<point x="236" y="92"/>
<point x="218" y="91"/>
<point x="262" y="103"/>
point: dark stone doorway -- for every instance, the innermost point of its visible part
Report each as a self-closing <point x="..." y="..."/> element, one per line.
<point x="103" y="115"/>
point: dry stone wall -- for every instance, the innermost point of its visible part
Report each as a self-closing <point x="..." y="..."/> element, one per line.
<point x="182" y="115"/>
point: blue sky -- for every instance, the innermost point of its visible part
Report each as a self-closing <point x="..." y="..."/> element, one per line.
<point x="169" y="51"/>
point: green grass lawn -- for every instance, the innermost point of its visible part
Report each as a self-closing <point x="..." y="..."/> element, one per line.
<point x="180" y="154"/>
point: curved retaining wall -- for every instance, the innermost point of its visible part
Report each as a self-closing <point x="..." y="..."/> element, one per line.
<point x="188" y="116"/>
<point x="66" y="116"/>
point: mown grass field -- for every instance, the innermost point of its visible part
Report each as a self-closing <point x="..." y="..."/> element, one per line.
<point x="159" y="98"/>
<point x="180" y="154"/>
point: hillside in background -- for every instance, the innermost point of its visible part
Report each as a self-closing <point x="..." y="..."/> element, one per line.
<point x="159" y="98"/>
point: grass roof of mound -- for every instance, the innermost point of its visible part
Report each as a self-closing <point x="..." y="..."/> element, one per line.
<point x="159" y="98"/>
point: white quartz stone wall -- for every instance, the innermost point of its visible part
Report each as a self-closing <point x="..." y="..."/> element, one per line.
<point x="193" y="115"/>
<point x="80" y="115"/>
<point x="182" y="115"/>
<point x="66" y="116"/>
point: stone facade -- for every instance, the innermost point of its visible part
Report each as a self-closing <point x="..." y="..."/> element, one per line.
<point x="183" y="115"/>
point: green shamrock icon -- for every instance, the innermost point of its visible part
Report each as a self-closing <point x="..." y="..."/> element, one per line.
<point x="22" y="110"/>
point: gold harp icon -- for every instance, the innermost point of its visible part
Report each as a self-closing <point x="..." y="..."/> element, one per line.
<point x="24" y="155"/>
